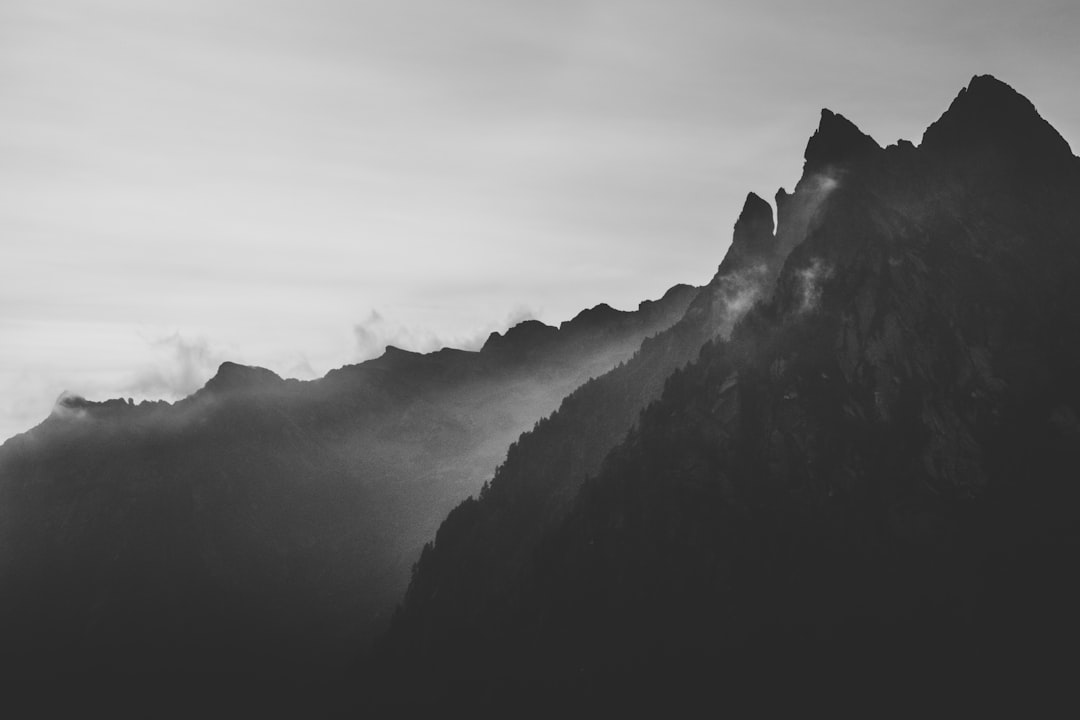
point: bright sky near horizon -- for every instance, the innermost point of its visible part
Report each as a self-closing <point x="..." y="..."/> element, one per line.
<point x="294" y="183"/>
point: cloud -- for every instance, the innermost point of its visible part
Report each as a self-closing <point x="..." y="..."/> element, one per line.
<point x="69" y="406"/>
<point x="183" y="367"/>
<point x="738" y="291"/>
<point x="812" y="192"/>
<point x="519" y="314"/>
<point x="735" y="296"/>
<point x="302" y="369"/>
<point x="375" y="332"/>
<point x="810" y="279"/>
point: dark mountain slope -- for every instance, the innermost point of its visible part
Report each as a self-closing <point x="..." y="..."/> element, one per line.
<point x="873" y="478"/>
<point x="484" y="543"/>
<point x="265" y="522"/>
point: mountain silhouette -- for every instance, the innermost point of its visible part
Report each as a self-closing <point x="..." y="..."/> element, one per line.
<point x="870" y="476"/>
<point x="850" y="458"/>
<point x="264" y="522"/>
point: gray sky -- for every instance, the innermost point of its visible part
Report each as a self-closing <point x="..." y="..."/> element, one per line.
<point x="293" y="183"/>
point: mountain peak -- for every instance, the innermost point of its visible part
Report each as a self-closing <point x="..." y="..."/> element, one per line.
<point x="988" y="84"/>
<point x="527" y="333"/>
<point x="753" y="250"/>
<point x="837" y="140"/>
<point x="756" y="215"/>
<point x="592" y="318"/>
<point x="990" y="113"/>
<point x="393" y="351"/>
<point x="233" y="376"/>
<point x="754" y="229"/>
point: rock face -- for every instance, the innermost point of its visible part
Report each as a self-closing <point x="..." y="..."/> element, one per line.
<point x="261" y="522"/>
<point x="874" y="474"/>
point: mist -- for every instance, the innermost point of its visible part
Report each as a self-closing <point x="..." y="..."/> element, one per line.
<point x="810" y="279"/>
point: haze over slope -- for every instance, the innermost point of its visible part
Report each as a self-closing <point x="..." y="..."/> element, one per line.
<point x="263" y="521"/>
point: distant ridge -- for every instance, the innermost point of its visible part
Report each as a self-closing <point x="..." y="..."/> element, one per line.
<point x="263" y="523"/>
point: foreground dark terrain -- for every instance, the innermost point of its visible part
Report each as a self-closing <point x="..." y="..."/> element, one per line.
<point x="854" y="453"/>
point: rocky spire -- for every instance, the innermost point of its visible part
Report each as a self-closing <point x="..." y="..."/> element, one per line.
<point x="755" y="223"/>
<point x="754" y="240"/>
<point x="835" y="142"/>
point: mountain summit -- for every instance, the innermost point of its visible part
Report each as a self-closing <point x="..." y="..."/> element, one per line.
<point x="754" y="230"/>
<point x="231" y="377"/>
<point x="836" y="141"/>
<point x="989" y="117"/>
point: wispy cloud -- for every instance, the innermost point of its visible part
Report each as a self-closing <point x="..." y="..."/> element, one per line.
<point x="181" y="366"/>
<point x="737" y="293"/>
<point x="810" y="281"/>
<point x="375" y="332"/>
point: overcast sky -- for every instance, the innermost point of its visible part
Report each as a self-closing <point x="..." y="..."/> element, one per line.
<point x="294" y="183"/>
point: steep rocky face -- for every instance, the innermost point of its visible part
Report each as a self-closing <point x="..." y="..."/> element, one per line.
<point x="874" y="476"/>
<point x="265" y="522"/>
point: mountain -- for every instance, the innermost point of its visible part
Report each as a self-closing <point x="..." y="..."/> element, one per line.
<point x="264" y="522"/>
<point x="870" y="476"/>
